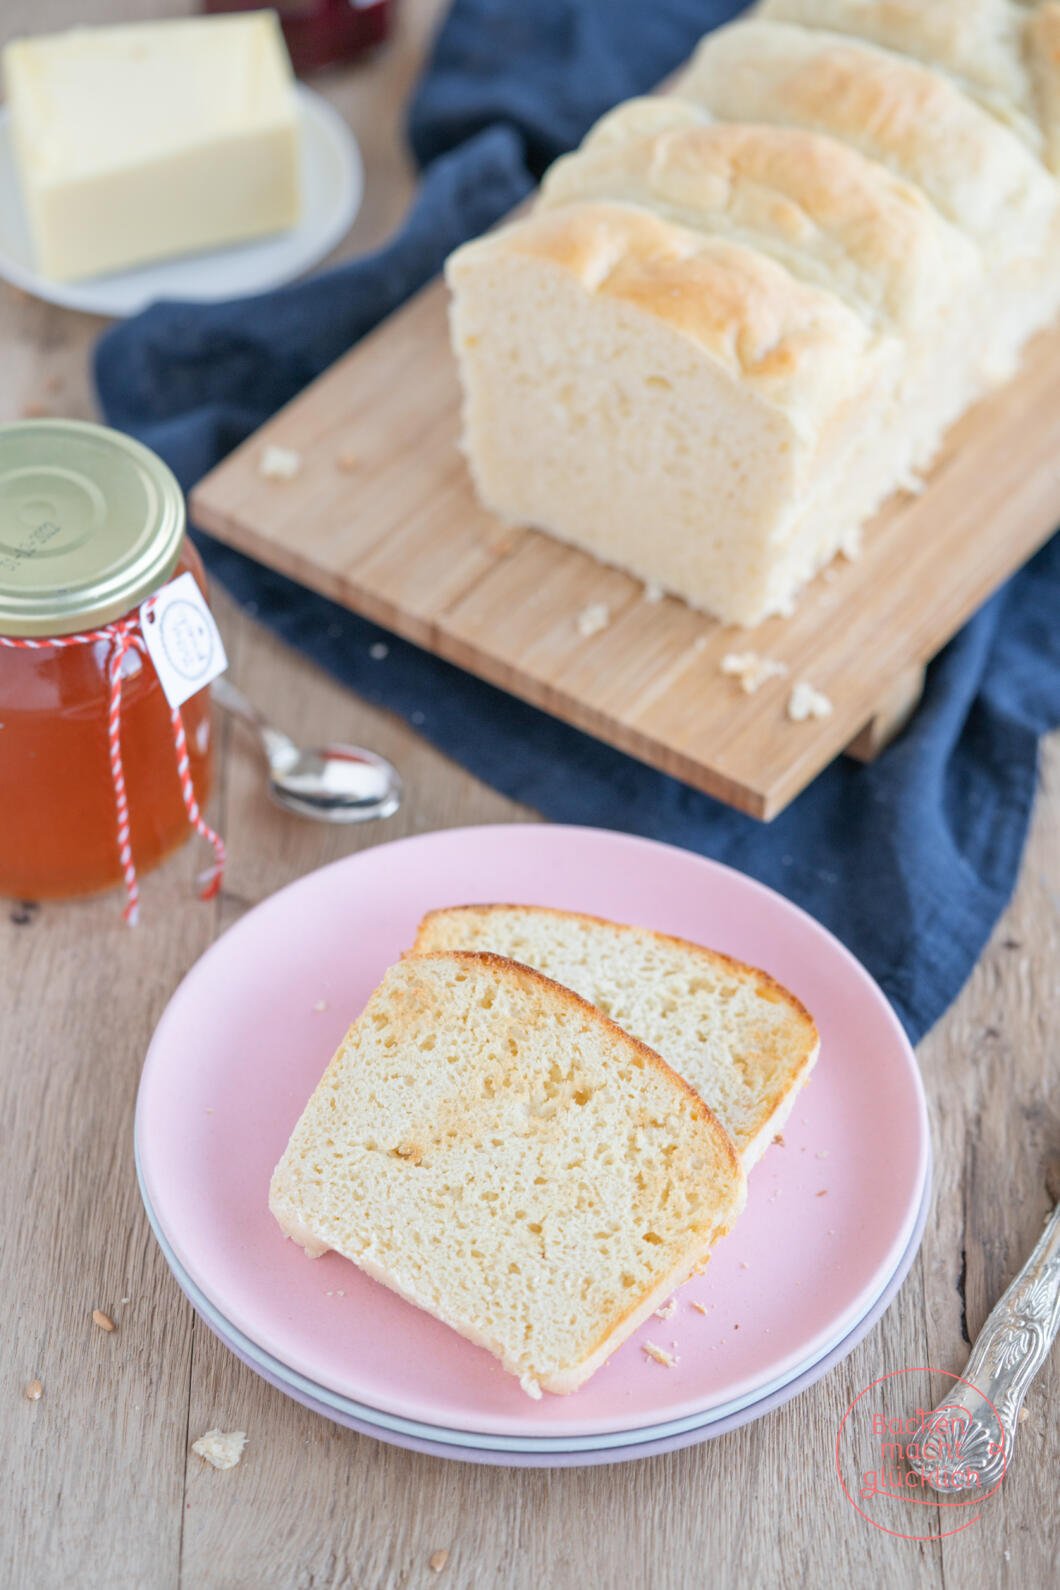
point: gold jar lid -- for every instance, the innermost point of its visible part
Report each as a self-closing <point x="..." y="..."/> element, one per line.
<point x="91" y="523"/>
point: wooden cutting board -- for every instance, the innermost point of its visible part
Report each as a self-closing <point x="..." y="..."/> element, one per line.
<point x="382" y="518"/>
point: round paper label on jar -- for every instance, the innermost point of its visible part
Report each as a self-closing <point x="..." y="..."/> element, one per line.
<point x="182" y="639"/>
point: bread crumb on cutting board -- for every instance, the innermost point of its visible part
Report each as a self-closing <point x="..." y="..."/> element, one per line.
<point x="750" y="670"/>
<point x="222" y="1449"/>
<point x="280" y="463"/>
<point x="593" y="619"/>
<point x="806" y="702"/>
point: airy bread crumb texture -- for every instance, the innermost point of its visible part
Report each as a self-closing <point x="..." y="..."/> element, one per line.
<point x="741" y="1040"/>
<point x="498" y="1152"/>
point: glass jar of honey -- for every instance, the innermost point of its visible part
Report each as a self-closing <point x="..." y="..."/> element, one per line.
<point x="91" y="525"/>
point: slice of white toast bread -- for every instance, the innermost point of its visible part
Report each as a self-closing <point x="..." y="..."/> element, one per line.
<point x="743" y="1042"/>
<point x="501" y="1154"/>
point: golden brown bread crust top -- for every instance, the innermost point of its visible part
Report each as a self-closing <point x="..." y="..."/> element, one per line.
<point x="795" y="344"/>
<point x="814" y="196"/>
<point x="763" y="981"/>
<point x="977" y="40"/>
<point x="913" y="119"/>
<point x="516" y="972"/>
<point x="766" y="986"/>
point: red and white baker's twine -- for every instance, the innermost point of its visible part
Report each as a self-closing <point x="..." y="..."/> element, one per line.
<point x="125" y="635"/>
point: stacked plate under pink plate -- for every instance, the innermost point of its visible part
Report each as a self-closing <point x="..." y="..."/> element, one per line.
<point x="833" y="1222"/>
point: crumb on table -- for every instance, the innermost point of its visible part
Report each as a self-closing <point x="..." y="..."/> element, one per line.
<point x="34" y="1391"/>
<point x="438" y="1560"/>
<point x="103" y="1321"/>
<point x="222" y="1449"/>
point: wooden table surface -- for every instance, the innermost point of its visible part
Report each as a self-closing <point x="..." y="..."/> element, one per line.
<point x="98" y="1485"/>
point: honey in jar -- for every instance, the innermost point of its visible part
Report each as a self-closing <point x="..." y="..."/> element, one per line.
<point x="91" y="525"/>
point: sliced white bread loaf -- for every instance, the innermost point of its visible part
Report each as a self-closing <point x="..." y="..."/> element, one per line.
<point x="623" y="375"/>
<point x="894" y="159"/>
<point x="740" y="1039"/>
<point x="501" y="1154"/>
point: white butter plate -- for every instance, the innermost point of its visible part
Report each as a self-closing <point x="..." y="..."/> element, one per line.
<point x="332" y="187"/>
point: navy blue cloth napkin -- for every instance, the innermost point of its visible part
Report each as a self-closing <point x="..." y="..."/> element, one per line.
<point x="910" y="861"/>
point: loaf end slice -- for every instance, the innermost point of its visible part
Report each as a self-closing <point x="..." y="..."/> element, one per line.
<point x="497" y="1151"/>
<point x="736" y="1035"/>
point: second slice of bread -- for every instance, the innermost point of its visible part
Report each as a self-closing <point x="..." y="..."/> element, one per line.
<point x="743" y="1042"/>
<point x="497" y="1151"/>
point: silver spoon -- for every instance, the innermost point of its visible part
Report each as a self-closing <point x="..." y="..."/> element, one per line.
<point x="335" y="784"/>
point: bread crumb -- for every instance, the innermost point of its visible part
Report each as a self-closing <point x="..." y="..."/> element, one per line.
<point x="280" y="463"/>
<point x="653" y="592"/>
<point x="1024" y="1415"/>
<point x="822" y="1153"/>
<point x="34" y="1391"/>
<point x="751" y="670"/>
<point x="222" y="1449"/>
<point x="379" y="651"/>
<point x="667" y="1309"/>
<point x="700" y="1308"/>
<point x="531" y="1387"/>
<point x="659" y="1355"/>
<point x="104" y="1321"/>
<point x="806" y="702"/>
<point x="320" y="1005"/>
<point x="126" y="1299"/>
<point x="779" y="1140"/>
<point x="410" y="1151"/>
<point x="347" y="462"/>
<point x="437" y="1560"/>
<point x="744" y="1264"/>
<point x="822" y="1194"/>
<point x="593" y="619"/>
<point x="736" y="1327"/>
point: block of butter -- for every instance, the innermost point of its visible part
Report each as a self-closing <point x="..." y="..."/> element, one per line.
<point x="161" y="138"/>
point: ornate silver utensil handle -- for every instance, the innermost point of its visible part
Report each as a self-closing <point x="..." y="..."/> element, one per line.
<point x="960" y="1444"/>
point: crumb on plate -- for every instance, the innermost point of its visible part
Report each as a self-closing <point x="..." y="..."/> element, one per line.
<point x="659" y="1355"/>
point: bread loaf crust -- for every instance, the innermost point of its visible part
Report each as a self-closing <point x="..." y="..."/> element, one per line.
<point x="711" y="425"/>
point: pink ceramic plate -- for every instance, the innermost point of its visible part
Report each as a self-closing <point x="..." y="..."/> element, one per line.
<point x="244" y="1041"/>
